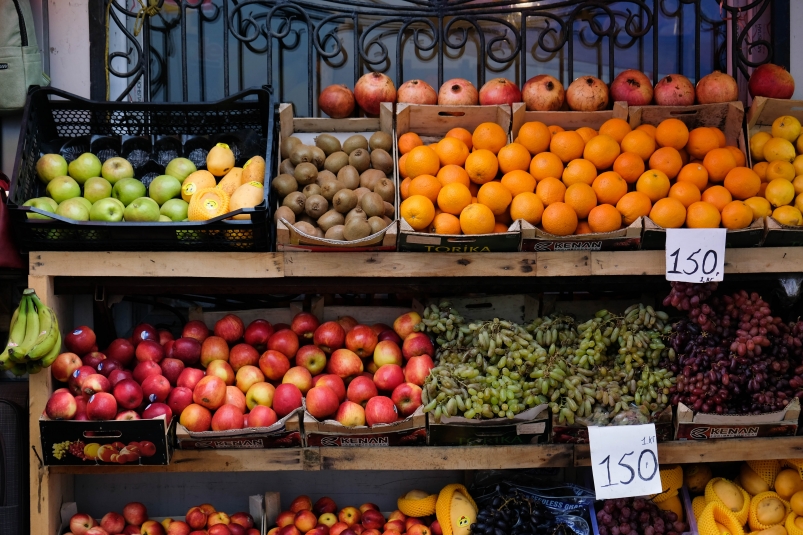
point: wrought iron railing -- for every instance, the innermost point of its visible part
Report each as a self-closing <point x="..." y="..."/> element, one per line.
<point x="207" y="49"/>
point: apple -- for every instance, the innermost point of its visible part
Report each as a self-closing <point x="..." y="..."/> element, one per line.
<point x="187" y="350"/>
<point x="189" y="377"/>
<point x="258" y="333"/>
<point x="380" y="410"/>
<point x="390" y="336"/>
<point x="274" y="364"/>
<point x="368" y="506"/>
<point x="405" y="324"/>
<point x="149" y="350"/>
<point x="197" y="419"/>
<point x="221" y="368"/>
<point x="119" y="375"/>
<point x="62" y="188"/>
<point x="195" y="518"/>
<point x="417" y="344"/>
<point x="243" y="355"/>
<point x="135" y="513"/>
<point x="350" y="414"/>
<point x="254" y="531"/>
<point x="61" y="405"/>
<point x="209" y="392"/>
<point x="50" y="166"/>
<point x="387" y="352"/>
<point x="144" y="331"/>
<point x="64" y="366"/>
<point x="152" y="527"/>
<point x="230" y="328"/>
<point x="178" y="527"/>
<point x="175" y="209"/>
<point x="322" y="402"/>
<point x="407" y="398"/>
<point x="286" y="399"/>
<point x="285" y="518"/>
<point x="93" y="359"/>
<point x="325" y="505"/>
<point x="305" y="520"/>
<point x="128" y="415"/>
<point x="247" y="376"/>
<point x="77" y="378"/>
<point x="289" y="530"/>
<point x="128" y="394"/>
<point x="97" y="188"/>
<point x="214" y="348"/>
<point x="419" y="529"/>
<point x="235" y="397"/>
<point x="312" y="358"/>
<point x="171" y="369"/>
<point x="349" y="515"/>
<point x="347" y="322"/>
<point x="113" y="522"/>
<point x="327" y="519"/>
<point x="46" y="204"/>
<point x="260" y="394"/>
<point x="388" y="377"/>
<point x="179" y="399"/>
<point x="156" y="388"/>
<point x="436" y="528"/>
<point x="180" y="168"/>
<point x="236" y="529"/>
<point x="410" y="522"/>
<point x="126" y="190"/>
<point x="344" y="363"/>
<point x="163" y="188"/>
<point x="362" y="340"/>
<point x="155" y="410"/>
<point x="80" y="523"/>
<point x="81" y="340"/>
<point x="84" y="166"/>
<point x="397" y="515"/>
<point x="300" y="377"/>
<point x="360" y="390"/>
<point x="116" y="168"/>
<point x="261" y="416"/>
<point x="195" y="329"/>
<point x="243" y="519"/>
<point x="338" y="528"/>
<point x="76" y="208"/>
<point x="143" y="370"/>
<point x="329" y="336"/>
<point x="417" y="369"/>
<point x="304" y="325"/>
<point x="334" y="382"/>
<point x="372" y="518"/>
<point x="301" y="503"/>
<point x="121" y="350"/>
<point x="227" y="417"/>
<point x="101" y="406"/>
<point x="107" y="366"/>
<point x="131" y="530"/>
<point x="285" y="342"/>
<point x="319" y="529"/>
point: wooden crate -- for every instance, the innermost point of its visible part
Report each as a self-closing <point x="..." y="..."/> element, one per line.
<point x="568" y="120"/>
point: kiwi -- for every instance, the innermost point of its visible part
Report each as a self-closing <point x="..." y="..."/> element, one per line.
<point x="344" y="200"/>
<point x="336" y="161"/>
<point x="381" y="160"/>
<point x="318" y="157"/>
<point x="349" y="176"/>
<point x="311" y="189"/>
<point x="370" y="178"/>
<point x="377" y="224"/>
<point x="306" y="228"/>
<point x="390" y="210"/>
<point x="356" y="212"/>
<point x="386" y="190"/>
<point x="286" y="213"/>
<point x="330" y="219"/>
<point x="335" y="233"/>
<point x="360" y="160"/>
<point x="315" y="206"/>
<point x="288" y="144"/>
<point x="356" y="229"/>
<point x="372" y="204"/>
<point x="331" y="187"/>
<point x="360" y="192"/>
<point x="306" y="173"/>
<point x="295" y="201"/>
<point x="300" y="153"/>
<point x="307" y="219"/>
<point x="328" y="143"/>
<point x="284" y="185"/>
<point x="318" y="233"/>
<point x="380" y="140"/>
<point x="355" y="142"/>
<point x="325" y="175"/>
<point x="287" y="167"/>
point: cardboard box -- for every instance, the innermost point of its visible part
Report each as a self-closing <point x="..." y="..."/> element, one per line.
<point x="307" y="129"/>
<point x="116" y="434"/>
<point x="690" y="426"/>
<point x="528" y="427"/>
<point x="578" y="433"/>
<point x="752" y="236"/>
<point x="432" y="123"/>
<point x="286" y="433"/>
<point x="685" y="499"/>
<point x="519" y="308"/>
<point x="411" y="431"/>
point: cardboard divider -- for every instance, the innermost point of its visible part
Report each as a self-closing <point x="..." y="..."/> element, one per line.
<point x="577" y="433"/>
<point x="702" y="426"/>
<point x="528" y="427"/>
<point x="285" y="433"/>
<point x="412" y="431"/>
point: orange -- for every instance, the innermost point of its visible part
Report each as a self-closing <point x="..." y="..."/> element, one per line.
<point x="587" y="133"/>
<point x="780" y="192"/>
<point x="477" y="219"/>
<point x="581" y="198"/>
<point x="499" y="228"/>
<point x="482" y="166"/>
<point x="550" y="190"/>
<point x="720" y="135"/>
<point x="616" y="128"/>
<point x="672" y="133"/>
<point x="452" y="151"/>
<point x="717" y="196"/>
<point x="504" y="217"/>
<point x="602" y="151"/>
<point x="582" y="228"/>
<point x="609" y="187"/>
<point x="647" y="129"/>
<point x="763" y="189"/>
<point x="519" y="182"/>
<point x="797" y="183"/>
<point x="702" y="215"/>
<point x="546" y="164"/>
<point x="567" y="146"/>
<point x="445" y="224"/>
<point x="418" y="211"/>
<point x="535" y="136"/>
<point x="559" y="219"/>
<point x="527" y="206"/>
<point x="495" y="196"/>
<point x="426" y="185"/>
<point x="787" y="215"/>
<point x="514" y="157"/>
<point x="738" y="155"/>
<point x="668" y="213"/>
<point x="684" y="155"/>
<point x="422" y="161"/>
<point x="761" y="170"/>
<point x="408" y="142"/>
<point x="668" y="160"/>
<point x="554" y="129"/>
<point x="742" y="182"/>
<point x="489" y="136"/>
<point x="701" y="141"/>
<point x="736" y="215"/>
<point x="630" y="166"/>
<point x="718" y="162"/>
<point x="453" y="174"/>
<point x="694" y="173"/>
<point x="463" y="135"/>
<point x="634" y="205"/>
<point x="780" y="169"/>
<point x="685" y="192"/>
<point x="579" y="170"/>
<point x="404" y="188"/>
<point x="452" y="198"/>
<point x="760" y="206"/>
<point x="473" y="188"/>
<point x="639" y="142"/>
<point x="654" y="184"/>
<point x="604" y="218"/>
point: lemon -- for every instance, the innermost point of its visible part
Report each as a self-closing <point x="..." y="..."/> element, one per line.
<point x="757" y="143"/>
<point x="780" y="192"/>
<point x="760" y="206"/>
<point x="779" y="149"/>
<point x="798" y="163"/>
<point x="780" y="169"/>
<point x="788" y="215"/>
<point x="786" y="127"/>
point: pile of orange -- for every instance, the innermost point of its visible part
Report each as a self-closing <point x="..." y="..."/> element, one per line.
<point x="577" y="182"/>
<point x="778" y="161"/>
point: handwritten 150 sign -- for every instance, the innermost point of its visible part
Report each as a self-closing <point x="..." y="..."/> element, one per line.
<point x="695" y="255"/>
<point x="624" y="461"/>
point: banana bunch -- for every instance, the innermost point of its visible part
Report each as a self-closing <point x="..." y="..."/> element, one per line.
<point x="34" y="339"/>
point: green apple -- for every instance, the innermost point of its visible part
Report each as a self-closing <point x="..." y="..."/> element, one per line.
<point x="142" y="209"/>
<point x="180" y="168"/>
<point x="74" y="209"/>
<point x="163" y="188"/>
<point x="107" y="209"/>
<point x="43" y="203"/>
<point x="50" y="166"/>
<point x="62" y="188"/>
<point x="116" y="168"/>
<point x="164" y="219"/>
<point x="128" y="189"/>
<point x="84" y="167"/>
<point x="97" y="188"/>
<point x="85" y="202"/>
<point x="175" y="209"/>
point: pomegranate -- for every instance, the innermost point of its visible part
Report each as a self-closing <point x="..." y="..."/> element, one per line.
<point x="499" y="91"/>
<point x="716" y="87"/>
<point x="633" y="87"/>
<point x="587" y="93"/>
<point x="771" y="81"/>
<point x="373" y="89"/>
<point x="543" y="93"/>
<point x="417" y="92"/>
<point x="458" y="92"/>
<point x="336" y="101"/>
<point x="674" y="90"/>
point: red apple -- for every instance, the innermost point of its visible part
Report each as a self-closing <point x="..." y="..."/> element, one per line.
<point x="80" y="406"/>
<point x="312" y="358"/>
<point x="419" y="529"/>
<point x="334" y="382"/>
<point x="391" y="532"/>
<point x="285" y="518"/>
<point x="336" y="101"/>
<point x="257" y="334"/>
<point x="388" y="352"/>
<point x="127" y="415"/>
<point x="230" y="328"/>
<point x="93" y="359"/>
<point x="81" y="340"/>
<point x="417" y="92"/>
<point x="407" y="398"/>
<point x="417" y="369"/>
<point x="234" y="396"/>
<point x="214" y="348"/>
<point x="372" y="519"/>
<point x="196" y="419"/>
<point x="120" y="375"/>
<point x="135" y="513"/>
<point x="195" y="329"/>
<point x="417" y="344"/>
<point x="289" y="530"/>
<point x="254" y="531"/>
<point x="171" y="369"/>
<point x="344" y="363"/>
<point x="154" y="410"/>
<point x="133" y="530"/>
<point x="149" y="350"/>
<point x="80" y="523"/>
<point x="379" y="328"/>
<point x="152" y="527"/>
<point x="305" y="521"/>
<point x="350" y="414"/>
<point x="178" y="527"/>
<point x="328" y="519"/>
<point x="398" y="515"/>
<point x="329" y="336"/>
<point x="219" y="529"/>
<point x="319" y="529"/>
<point x="405" y="324"/>
<point x="243" y="355"/>
<point x="179" y="399"/>
<point x="195" y="518"/>
<point x="189" y="377"/>
<point x="155" y="388"/>
<point x="388" y="377"/>
<point x="304" y="325"/>
<point x="261" y="416"/>
<point x="371" y="90"/>
<point x="121" y="350"/>
<point x="236" y="529"/>
<point x="436" y="528"/>
<point x="410" y="522"/>
<point x="243" y="519"/>
<point x="187" y="350"/>
<point x="371" y="531"/>
<point x="101" y="406"/>
<point x="323" y="506"/>
<point x="300" y="377"/>
<point x="285" y="342"/>
<point x="274" y="365"/>
<point x="390" y="336"/>
<point x="227" y="417"/>
<point x="107" y="366"/>
<point x="380" y="410"/>
<point x="347" y="322"/>
<point x="142" y="332"/>
<point x="247" y="376"/>
<point x="209" y="392"/>
<point x="164" y="336"/>
<point x="286" y="399"/>
<point x="146" y="369"/>
<point x="362" y="340"/>
<point x="221" y="368"/>
<point x="168" y="347"/>
<point x="322" y="402"/>
<point x="349" y="515"/>
<point x="128" y="394"/>
<point x="499" y="91"/>
<point x="301" y="503"/>
<point x="61" y="406"/>
<point x="360" y="390"/>
<point x="77" y="379"/>
<point x="458" y="92"/>
<point x="64" y="366"/>
<point x="368" y="506"/>
<point x="338" y="528"/>
<point x="260" y="394"/>
<point x="113" y="522"/>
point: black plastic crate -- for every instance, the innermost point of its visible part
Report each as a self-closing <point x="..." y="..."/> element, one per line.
<point x="59" y="122"/>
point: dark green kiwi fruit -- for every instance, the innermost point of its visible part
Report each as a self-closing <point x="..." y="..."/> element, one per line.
<point x="284" y="185"/>
<point x="328" y="143"/>
<point x="356" y="229"/>
<point x="349" y="176"/>
<point x="357" y="141"/>
<point x="295" y="201"/>
<point x="300" y="154"/>
<point x="344" y="200"/>
<point x="287" y="145"/>
<point x="336" y="161"/>
<point x="381" y="160"/>
<point x="305" y="173"/>
<point x="287" y="167"/>
<point x="316" y="206"/>
<point x="372" y="204"/>
<point x="360" y="159"/>
<point x="330" y="219"/>
<point x="380" y="140"/>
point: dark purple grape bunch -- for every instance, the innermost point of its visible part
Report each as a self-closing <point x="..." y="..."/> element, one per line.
<point x="636" y="516"/>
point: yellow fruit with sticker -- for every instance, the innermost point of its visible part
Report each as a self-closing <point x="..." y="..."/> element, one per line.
<point x="220" y="159"/>
<point x="696" y="477"/>
<point x="231" y="181"/>
<point x="463" y="514"/>
<point x="208" y="203"/>
<point x="455" y="510"/>
<point x="196" y="181"/>
<point x="722" y="529"/>
<point x="246" y="196"/>
<point x="254" y="170"/>
<point x="751" y="481"/>
<point x="730" y="495"/>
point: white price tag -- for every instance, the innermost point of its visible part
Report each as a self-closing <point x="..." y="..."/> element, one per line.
<point x="695" y="255"/>
<point x="624" y="461"/>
